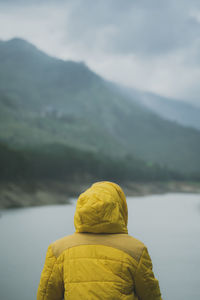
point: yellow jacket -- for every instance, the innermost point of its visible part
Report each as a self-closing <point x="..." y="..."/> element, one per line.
<point x="100" y="260"/>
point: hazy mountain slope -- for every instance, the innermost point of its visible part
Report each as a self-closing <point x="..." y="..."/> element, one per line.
<point x="178" y="111"/>
<point x="174" y="110"/>
<point x="47" y="100"/>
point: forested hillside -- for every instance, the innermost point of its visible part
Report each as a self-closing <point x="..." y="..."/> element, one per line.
<point x="46" y="101"/>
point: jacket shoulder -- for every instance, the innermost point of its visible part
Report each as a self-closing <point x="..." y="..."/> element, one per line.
<point x="64" y="243"/>
<point x="130" y="245"/>
<point x="123" y="242"/>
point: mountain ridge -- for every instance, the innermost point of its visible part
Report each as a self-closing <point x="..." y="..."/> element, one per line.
<point x="46" y="99"/>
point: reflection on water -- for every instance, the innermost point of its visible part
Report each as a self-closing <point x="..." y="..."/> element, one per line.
<point x="169" y="225"/>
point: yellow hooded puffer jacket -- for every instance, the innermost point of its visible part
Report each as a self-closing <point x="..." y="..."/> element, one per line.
<point x="100" y="260"/>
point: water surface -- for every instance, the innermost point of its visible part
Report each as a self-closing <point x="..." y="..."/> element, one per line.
<point x="168" y="224"/>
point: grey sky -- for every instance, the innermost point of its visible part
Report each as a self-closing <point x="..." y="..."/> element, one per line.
<point x="150" y="45"/>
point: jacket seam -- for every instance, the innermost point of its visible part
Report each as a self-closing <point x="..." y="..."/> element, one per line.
<point x="124" y="262"/>
<point x="139" y="261"/>
<point x="44" y="292"/>
<point x="98" y="245"/>
<point x="75" y="282"/>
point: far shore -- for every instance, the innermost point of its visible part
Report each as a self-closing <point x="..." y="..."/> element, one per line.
<point x="23" y="194"/>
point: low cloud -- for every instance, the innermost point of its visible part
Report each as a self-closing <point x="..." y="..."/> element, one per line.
<point x="150" y="45"/>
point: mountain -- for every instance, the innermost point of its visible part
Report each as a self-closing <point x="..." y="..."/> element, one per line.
<point x="170" y="109"/>
<point x="45" y="100"/>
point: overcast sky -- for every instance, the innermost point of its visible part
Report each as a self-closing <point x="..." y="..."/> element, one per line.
<point x="152" y="45"/>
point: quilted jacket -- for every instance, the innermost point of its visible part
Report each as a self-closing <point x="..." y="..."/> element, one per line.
<point x="100" y="260"/>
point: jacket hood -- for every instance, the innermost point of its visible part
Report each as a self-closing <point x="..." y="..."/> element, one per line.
<point x="102" y="209"/>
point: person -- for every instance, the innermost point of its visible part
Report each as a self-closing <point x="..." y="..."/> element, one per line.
<point x="100" y="260"/>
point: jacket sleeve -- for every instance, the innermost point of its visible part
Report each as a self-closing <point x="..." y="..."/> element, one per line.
<point x="146" y="285"/>
<point x="51" y="283"/>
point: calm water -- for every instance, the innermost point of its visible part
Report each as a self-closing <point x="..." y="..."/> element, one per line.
<point x="168" y="224"/>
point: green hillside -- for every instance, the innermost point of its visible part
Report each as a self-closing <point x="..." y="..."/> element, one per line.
<point x="64" y="163"/>
<point x="44" y="100"/>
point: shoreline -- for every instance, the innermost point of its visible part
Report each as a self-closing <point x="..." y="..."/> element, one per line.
<point x="23" y="194"/>
<point x="133" y="189"/>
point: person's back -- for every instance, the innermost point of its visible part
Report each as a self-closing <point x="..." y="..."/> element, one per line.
<point x="100" y="260"/>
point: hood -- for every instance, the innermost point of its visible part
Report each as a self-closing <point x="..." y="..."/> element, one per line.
<point x="102" y="209"/>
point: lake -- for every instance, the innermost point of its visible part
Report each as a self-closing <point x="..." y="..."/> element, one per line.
<point x="168" y="224"/>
